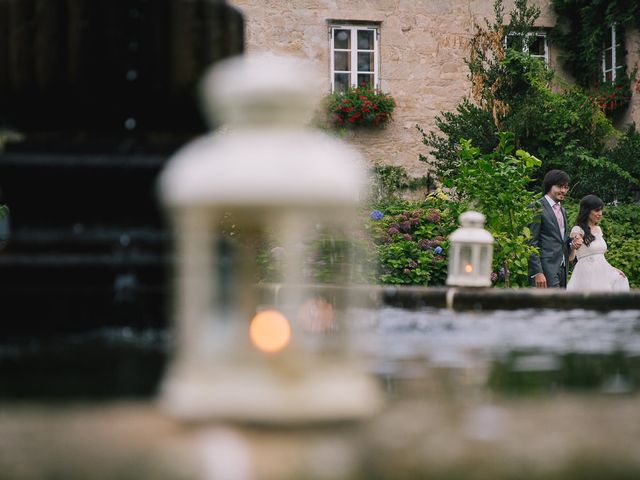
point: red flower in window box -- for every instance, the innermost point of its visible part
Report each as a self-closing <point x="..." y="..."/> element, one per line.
<point x="360" y="107"/>
<point x="612" y="97"/>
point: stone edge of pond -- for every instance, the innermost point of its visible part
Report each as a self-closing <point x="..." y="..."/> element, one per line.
<point x="416" y="297"/>
<point x="508" y="299"/>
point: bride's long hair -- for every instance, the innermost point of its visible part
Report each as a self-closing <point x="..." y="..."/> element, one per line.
<point x="588" y="203"/>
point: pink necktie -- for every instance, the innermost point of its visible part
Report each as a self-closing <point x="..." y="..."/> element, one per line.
<point x="556" y="210"/>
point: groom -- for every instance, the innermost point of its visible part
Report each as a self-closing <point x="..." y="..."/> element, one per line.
<point x="549" y="233"/>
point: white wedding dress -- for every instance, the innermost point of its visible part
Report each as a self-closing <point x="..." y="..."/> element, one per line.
<point x="593" y="272"/>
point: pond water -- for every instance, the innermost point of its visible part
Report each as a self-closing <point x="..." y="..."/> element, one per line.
<point x="423" y="352"/>
<point x="513" y="352"/>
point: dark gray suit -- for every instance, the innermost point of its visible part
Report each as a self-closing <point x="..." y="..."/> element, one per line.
<point x="545" y="234"/>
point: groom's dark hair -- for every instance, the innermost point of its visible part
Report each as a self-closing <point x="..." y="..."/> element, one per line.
<point x="554" y="177"/>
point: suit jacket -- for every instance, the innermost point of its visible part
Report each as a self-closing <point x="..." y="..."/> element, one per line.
<point x="551" y="243"/>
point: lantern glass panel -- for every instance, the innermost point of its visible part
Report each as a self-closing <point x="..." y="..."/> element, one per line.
<point x="320" y="255"/>
<point x="466" y="260"/>
<point x="485" y="265"/>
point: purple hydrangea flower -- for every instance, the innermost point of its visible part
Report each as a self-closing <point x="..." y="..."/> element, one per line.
<point x="433" y="216"/>
<point x="494" y="277"/>
<point x="412" y="264"/>
<point x="406" y="236"/>
<point x="424" y="244"/>
<point x="437" y="250"/>
<point x="405" y="226"/>
<point x="393" y="231"/>
<point x="376" y="215"/>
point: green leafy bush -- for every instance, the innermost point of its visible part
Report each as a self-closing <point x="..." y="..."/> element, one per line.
<point x="580" y="32"/>
<point x="387" y="181"/>
<point x="411" y="240"/>
<point x="514" y="92"/>
<point x="331" y="256"/>
<point x="495" y="184"/>
<point x="624" y="155"/>
<point x="468" y="121"/>
<point x="623" y="254"/>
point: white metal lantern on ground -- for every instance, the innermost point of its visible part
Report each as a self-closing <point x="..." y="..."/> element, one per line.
<point x="264" y="186"/>
<point x="470" y="253"/>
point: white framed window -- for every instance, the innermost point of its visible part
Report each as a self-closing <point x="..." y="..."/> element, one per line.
<point x="612" y="54"/>
<point x="536" y="45"/>
<point x="354" y="56"/>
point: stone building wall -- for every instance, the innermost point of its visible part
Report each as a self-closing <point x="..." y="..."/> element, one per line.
<point x="632" y="115"/>
<point x="422" y="44"/>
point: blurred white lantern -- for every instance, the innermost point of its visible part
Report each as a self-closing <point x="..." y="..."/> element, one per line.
<point x="265" y="173"/>
<point x="470" y="253"/>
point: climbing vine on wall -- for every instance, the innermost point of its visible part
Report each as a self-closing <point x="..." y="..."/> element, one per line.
<point x="581" y="28"/>
<point x="580" y="33"/>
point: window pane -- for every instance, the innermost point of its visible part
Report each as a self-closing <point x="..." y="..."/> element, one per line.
<point x="619" y="56"/>
<point x="341" y="82"/>
<point x="518" y="42"/>
<point x="607" y="38"/>
<point x="608" y="77"/>
<point x="365" y="80"/>
<point x="537" y="45"/>
<point x="342" y="39"/>
<point x="510" y="41"/>
<point x="607" y="60"/>
<point x="466" y="256"/>
<point x="365" y="39"/>
<point x="341" y="61"/>
<point x="365" y="62"/>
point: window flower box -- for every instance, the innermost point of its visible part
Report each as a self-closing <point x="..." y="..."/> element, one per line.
<point x="360" y="107"/>
<point x="612" y="97"/>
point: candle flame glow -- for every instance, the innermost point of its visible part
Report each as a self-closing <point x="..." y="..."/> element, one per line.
<point x="468" y="268"/>
<point x="269" y="331"/>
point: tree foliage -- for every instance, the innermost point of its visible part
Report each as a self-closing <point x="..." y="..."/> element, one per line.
<point x="495" y="184"/>
<point x="514" y="92"/>
<point x="581" y="28"/>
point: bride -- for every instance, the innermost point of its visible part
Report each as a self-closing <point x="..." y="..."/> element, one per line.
<point x="592" y="272"/>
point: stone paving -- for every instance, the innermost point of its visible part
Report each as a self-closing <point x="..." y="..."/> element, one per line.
<point x="549" y="437"/>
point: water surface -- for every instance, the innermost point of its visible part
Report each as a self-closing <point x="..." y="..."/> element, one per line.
<point x="509" y="352"/>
